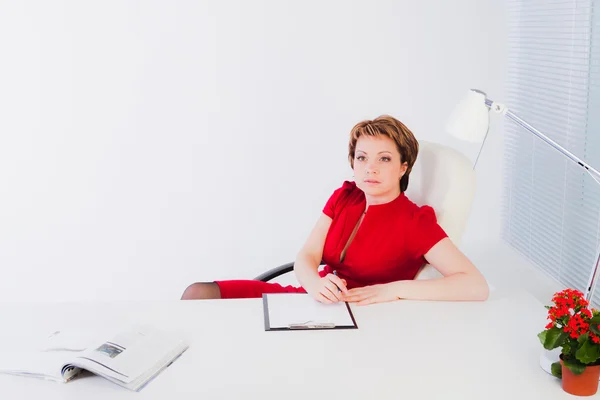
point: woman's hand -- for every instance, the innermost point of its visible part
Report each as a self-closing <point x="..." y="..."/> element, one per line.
<point x="328" y="289"/>
<point x="372" y="294"/>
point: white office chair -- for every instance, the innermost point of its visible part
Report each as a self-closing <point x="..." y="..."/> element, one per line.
<point x="442" y="178"/>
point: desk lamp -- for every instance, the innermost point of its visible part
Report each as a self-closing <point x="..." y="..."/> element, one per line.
<point x="470" y="122"/>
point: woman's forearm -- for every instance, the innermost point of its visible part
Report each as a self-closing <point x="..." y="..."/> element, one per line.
<point x="306" y="269"/>
<point x="457" y="287"/>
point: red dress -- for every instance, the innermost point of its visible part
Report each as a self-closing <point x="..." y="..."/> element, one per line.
<point x="388" y="246"/>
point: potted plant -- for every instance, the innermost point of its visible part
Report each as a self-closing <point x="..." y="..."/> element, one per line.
<point x="576" y="329"/>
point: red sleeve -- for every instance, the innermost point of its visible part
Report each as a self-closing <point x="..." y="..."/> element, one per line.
<point x="425" y="232"/>
<point x="333" y="204"/>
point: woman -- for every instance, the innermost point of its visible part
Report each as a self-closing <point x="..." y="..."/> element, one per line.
<point x="372" y="237"/>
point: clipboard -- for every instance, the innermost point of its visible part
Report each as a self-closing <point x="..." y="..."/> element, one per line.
<point x="298" y="311"/>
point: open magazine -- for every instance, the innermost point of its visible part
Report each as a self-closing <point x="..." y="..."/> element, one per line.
<point x="130" y="359"/>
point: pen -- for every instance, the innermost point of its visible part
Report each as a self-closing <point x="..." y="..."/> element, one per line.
<point x="316" y="325"/>
<point x="335" y="273"/>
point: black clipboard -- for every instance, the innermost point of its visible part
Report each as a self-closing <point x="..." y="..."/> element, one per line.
<point x="306" y="325"/>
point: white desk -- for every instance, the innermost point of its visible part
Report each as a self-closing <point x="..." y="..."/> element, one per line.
<point x="402" y="350"/>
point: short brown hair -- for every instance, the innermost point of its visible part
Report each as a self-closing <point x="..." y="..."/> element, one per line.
<point x="407" y="144"/>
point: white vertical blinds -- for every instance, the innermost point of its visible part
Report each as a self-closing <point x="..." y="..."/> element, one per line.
<point x="551" y="208"/>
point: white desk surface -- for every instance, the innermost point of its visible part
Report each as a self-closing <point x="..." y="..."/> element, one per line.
<point x="402" y="350"/>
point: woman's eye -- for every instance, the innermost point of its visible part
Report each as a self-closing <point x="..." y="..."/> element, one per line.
<point x="360" y="158"/>
<point x="386" y="159"/>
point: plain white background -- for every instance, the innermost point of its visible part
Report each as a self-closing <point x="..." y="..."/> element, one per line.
<point x="147" y="145"/>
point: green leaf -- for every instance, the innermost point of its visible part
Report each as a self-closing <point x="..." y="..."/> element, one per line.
<point x="582" y="338"/>
<point x="594" y="322"/>
<point x="557" y="370"/>
<point x="588" y="352"/>
<point x="542" y="336"/>
<point x="574" y="366"/>
<point x="552" y="338"/>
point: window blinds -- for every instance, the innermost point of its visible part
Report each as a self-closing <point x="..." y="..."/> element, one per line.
<point x="551" y="207"/>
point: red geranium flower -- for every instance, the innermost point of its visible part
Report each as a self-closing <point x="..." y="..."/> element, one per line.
<point x="574" y="327"/>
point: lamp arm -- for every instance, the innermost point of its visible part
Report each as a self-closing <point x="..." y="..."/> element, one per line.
<point x="589" y="290"/>
<point x="499" y="108"/>
<point x="594" y="173"/>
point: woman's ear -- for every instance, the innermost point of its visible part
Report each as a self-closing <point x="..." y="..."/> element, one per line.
<point x="403" y="168"/>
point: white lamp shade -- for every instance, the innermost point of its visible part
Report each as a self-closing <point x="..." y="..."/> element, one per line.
<point x="470" y="119"/>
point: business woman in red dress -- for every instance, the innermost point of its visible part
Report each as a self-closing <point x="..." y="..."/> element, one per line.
<point x="372" y="238"/>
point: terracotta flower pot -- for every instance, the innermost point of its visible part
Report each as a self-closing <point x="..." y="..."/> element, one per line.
<point x="585" y="384"/>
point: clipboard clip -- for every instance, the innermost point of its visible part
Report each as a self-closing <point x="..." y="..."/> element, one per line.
<point x="312" y="325"/>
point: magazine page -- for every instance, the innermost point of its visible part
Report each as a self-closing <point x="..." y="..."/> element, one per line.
<point x="45" y="356"/>
<point x="35" y="363"/>
<point x="128" y="355"/>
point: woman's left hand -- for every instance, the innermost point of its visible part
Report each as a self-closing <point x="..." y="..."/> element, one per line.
<point x="372" y="294"/>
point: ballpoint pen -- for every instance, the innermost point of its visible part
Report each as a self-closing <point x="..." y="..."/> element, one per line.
<point x="335" y="273"/>
<point x="312" y="325"/>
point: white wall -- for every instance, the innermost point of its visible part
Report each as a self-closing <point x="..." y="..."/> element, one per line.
<point x="146" y="145"/>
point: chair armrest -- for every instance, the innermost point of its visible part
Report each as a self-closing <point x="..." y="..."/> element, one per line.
<point x="278" y="271"/>
<point x="275" y="272"/>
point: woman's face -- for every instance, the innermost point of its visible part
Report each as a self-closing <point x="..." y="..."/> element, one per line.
<point x="377" y="166"/>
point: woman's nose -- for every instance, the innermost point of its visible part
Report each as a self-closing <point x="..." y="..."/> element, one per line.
<point x="371" y="169"/>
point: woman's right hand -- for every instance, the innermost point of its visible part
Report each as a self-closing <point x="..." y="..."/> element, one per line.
<point x="328" y="289"/>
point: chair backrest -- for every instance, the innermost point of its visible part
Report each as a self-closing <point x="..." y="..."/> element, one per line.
<point x="444" y="179"/>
